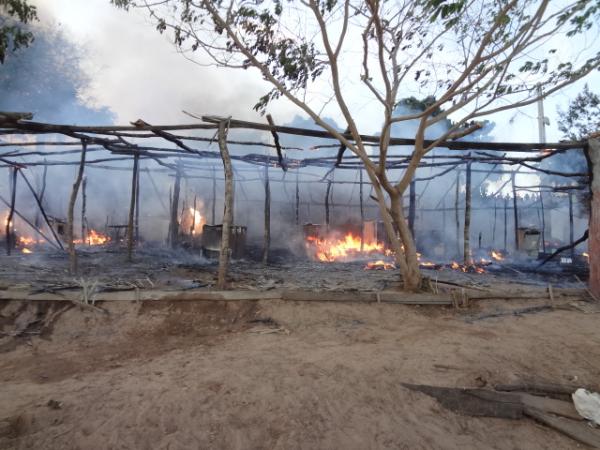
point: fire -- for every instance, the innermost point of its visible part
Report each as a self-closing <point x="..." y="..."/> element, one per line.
<point x="586" y="255"/>
<point x="345" y="249"/>
<point x="25" y="241"/>
<point x="93" y="238"/>
<point x="192" y="221"/>
<point x="26" y="251"/>
<point x="496" y="255"/>
<point x="379" y="264"/>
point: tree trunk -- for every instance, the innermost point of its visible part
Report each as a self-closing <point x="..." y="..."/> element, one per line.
<point x="228" y="207"/>
<point x="411" y="274"/>
<point x="174" y="223"/>
<point x="71" y="210"/>
<point x="9" y="220"/>
<point x="83" y="206"/>
<point x="467" y="260"/>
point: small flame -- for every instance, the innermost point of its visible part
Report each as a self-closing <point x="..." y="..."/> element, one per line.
<point x="496" y="255"/>
<point x="379" y="264"/>
<point x="586" y="255"/>
<point x="93" y="238"/>
<point x="26" y="251"/>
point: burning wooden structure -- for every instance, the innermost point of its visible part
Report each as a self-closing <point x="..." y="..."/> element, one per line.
<point x="512" y="220"/>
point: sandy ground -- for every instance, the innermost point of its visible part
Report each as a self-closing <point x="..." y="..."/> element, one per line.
<point x="208" y="375"/>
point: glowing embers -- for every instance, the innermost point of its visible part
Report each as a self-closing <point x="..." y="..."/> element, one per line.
<point x="380" y="265"/>
<point x="346" y="248"/>
<point x="497" y="255"/>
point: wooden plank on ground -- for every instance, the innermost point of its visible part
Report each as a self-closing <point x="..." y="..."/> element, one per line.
<point x="580" y="431"/>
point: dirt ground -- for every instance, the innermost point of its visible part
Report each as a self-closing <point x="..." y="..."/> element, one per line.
<point x="276" y="375"/>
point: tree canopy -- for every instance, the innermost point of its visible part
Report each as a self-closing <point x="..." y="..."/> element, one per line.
<point x="14" y="14"/>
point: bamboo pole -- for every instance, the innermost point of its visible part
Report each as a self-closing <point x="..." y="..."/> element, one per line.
<point x="137" y="206"/>
<point x="40" y="195"/>
<point x="131" y="221"/>
<point x="467" y="228"/>
<point x="505" y="223"/>
<point x="267" y="230"/>
<point x="9" y="220"/>
<point x="228" y="207"/>
<point x="71" y="211"/>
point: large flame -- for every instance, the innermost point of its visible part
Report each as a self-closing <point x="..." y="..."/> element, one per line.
<point x="192" y="221"/>
<point x="93" y="237"/>
<point x="349" y="247"/>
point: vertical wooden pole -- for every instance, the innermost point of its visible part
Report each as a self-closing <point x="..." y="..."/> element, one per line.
<point x="297" y="200"/>
<point x="456" y="214"/>
<point x="571" y="227"/>
<point x="131" y="222"/>
<point x="83" y="206"/>
<point x="327" y="205"/>
<point x="467" y="260"/>
<point x="494" y="224"/>
<point x="505" y="223"/>
<point x="362" y="210"/>
<point x="593" y="156"/>
<point x="137" y="206"/>
<point x="412" y="208"/>
<point x="228" y="207"/>
<point x="214" y="195"/>
<point x="267" y="231"/>
<point x="71" y="211"/>
<point x="174" y="223"/>
<point x="515" y="212"/>
<point x="543" y="222"/>
<point x="40" y="195"/>
<point x="9" y="220"/>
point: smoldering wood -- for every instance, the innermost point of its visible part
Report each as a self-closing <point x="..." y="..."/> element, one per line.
<point x="42" y="211"/>
<point x="9" y="220"/>
<point x="40" y="195"/>
<point x="467" y="226"/>
<point x="327" y="193"/>
<point x="297" y="200"/>
<point x="214" y="196"/>
<point x="71" y="210"/>
<point x="224" y="254"/>
<point x="570" y="246"/>
<point x="137" y="207"/>
<point x="132" y="203"/>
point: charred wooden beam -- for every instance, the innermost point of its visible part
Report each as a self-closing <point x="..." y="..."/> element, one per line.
<point x="9" y="220"/>
<point x="132" y="203"/>
<point x="467" y="228"/>
<point x="174" y="222"/>
<point x="276" y="141"/>
<point x="515" y="212"/>
<point x="267" y="230"/>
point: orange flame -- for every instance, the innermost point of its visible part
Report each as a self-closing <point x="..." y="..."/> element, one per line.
<point x="379" y="264"/>
<point x="496" y="255"/>
<point x="93" y="238"/>
<point x="345" y="249"/>
<point x="26" y="251"/>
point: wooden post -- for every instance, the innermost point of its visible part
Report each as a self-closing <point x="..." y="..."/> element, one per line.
<point x="543" y="223"/>
<point x="71" y="211"/>
<point x="137" y="206"/>
<point x="214" y="195"/>
<point x="593" y="154"/>
<point x="494" y="224"/>
<point x="9" y="220"/>
<point x="174" y="223"/>
<point x="516" y="212"/>
<point x="297" y="200"/>
<point x="327" y="204"/>
<point x="362" y="210"/>
<point x="412" y="207"/>
<point x="83" y="205"/>
<point x="267" y="231"/>
<point x="40" y="195"/>
<point x="571" y="227"/>
<point x="505" y="223"/>
<point x="457" y="217"/>
<point x="467" y="260"/>
<point x="228" y="206"/>
<point x="131" y="222"/>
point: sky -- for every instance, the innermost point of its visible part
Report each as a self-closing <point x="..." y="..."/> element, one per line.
<point x="138" y="74"/>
